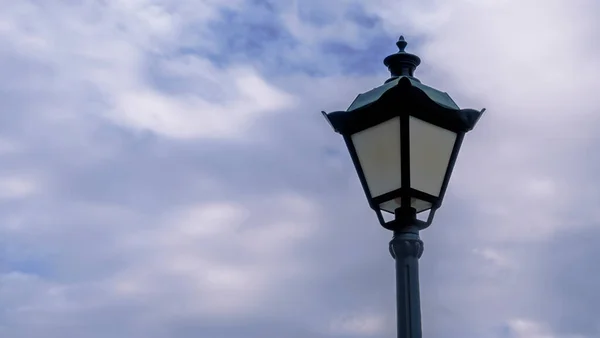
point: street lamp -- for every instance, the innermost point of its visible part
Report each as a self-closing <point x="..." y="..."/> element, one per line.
<point x="403" y="138"/>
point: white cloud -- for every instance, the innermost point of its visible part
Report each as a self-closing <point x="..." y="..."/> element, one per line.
<point x="225" y="265"/>
<point x="368" y="324"/>
<point x="207" y="220"/>
<point x="16" y="187"/>
<point x="493" y="256"/>
<point x="522" y="328"/>
<point x="248" y="98"/>
<point x="108" y="53"/>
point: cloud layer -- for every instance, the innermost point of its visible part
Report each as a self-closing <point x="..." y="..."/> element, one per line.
<point x="166" y="172"/>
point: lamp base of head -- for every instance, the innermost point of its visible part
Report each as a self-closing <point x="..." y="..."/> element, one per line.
<point x="406" y="215"/>
<point x="405" y="219"/>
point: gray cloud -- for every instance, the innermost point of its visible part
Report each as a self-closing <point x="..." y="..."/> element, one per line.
<point x="166" y="172"/>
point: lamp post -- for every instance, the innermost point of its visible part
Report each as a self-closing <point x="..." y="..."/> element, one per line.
<point x="403" y="138"/>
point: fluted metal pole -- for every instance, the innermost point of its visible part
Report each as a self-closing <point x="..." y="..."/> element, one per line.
<point x="406" y="248"/>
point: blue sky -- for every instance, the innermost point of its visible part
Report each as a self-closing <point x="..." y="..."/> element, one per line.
<point x="166" y="172"/>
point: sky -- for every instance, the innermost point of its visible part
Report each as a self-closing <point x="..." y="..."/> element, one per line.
<point x="165" y="170"/>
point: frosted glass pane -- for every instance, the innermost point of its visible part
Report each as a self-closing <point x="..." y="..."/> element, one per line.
<point x="392" y="205"/>
<point x="389" y="206"/>
<point x="420" y="205"/>
<point x="430" y="151"/>
<point x="378" y="150"/>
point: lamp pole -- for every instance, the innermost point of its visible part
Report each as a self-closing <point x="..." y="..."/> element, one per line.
<point x="406" y="248"/>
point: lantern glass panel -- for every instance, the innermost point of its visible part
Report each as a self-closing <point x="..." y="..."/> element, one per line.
<point x="430" y="151"/>
<point x="378" y="151"/>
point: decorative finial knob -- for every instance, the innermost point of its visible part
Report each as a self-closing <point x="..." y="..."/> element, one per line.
<point x="401" y="63"/>
<point x="401" y="44"/>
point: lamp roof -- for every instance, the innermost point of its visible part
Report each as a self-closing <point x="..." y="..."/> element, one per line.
<point x="439" y="97"/>
<point x="405" y="90"/>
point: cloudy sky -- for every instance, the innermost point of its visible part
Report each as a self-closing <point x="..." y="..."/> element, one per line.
<point x="165" y="170"/>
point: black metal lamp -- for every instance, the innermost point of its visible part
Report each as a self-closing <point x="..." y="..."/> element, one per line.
<point x="403" y="138"/>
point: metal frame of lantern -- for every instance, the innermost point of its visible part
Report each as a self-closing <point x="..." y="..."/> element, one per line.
<point x="405" y="98"/>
